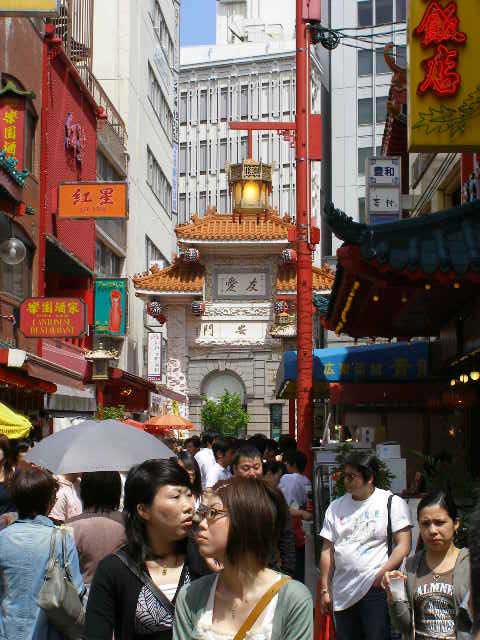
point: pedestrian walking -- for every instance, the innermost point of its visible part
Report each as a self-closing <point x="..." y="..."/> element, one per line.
<point x="192" y="445"/>
<point x="100" y="529"/>
<point x="6" y="470"/>
<point x="272" y="472"/>
<point x="355" y="553"/>
<point x="205" y="457"/>
<point x="474" y="546"/>
<point x="24" y="554"/>
<point x="134" y="591"/>
<point x="430" y="600"/>
<point x="68" y="503"/>
<point x="223" y="451"/>
<point x="239" y="524"/>
<point x="247" y="463"/>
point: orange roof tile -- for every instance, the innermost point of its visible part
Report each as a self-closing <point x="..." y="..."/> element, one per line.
<point x="179" y="277"/>
<point x="223" y="227"/>
<point x="287" y="278"/>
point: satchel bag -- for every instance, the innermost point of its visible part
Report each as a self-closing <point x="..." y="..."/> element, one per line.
<point x="58" y="596"/>
<point x="260" y="608"/>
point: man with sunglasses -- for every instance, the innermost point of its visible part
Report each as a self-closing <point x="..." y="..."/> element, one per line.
<point x="355" y="553"/>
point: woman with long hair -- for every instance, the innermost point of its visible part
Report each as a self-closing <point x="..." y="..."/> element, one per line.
<point x="6" y="470"/>
<point x="430" y="600"/>
<point x="134" y="591"/>
<point x="238" y="525"/>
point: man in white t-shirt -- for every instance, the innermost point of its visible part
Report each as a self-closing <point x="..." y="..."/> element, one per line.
<point x="355" y="552"/>
<point x="205" y="458"/>
<point x="223" y="451"/>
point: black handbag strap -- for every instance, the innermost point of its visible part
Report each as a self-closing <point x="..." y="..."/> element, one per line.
<point x="389" y="525"/>
<point x="147" y="581"/>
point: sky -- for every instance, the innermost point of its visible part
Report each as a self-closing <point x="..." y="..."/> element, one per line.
<point x="197" y="22"/>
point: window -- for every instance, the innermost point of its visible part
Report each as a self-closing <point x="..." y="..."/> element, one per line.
<point x="203" y="106"/>
<point x="243" y="148"/>
<point x="361" y="210"/>
<point x="286" y="101"/>
<point x="182" y="159"/>
<point x="183" y="108"/>
<point x="363" y="154"/>
<point x="223" y="154"/>
<point x="202" y="159"/>
<point x="105" y="170"/>
<point x="160" y="104"/>
<point x="153" y="255"/>
<point x="29" y="150"/>
<point x="365" y="111"/>
<point x="365" y="62"/>
<point x="265" y="107"/>
<point x="401" y="7"/>
<point x="222" y="203"/>
<point x="158" y="183"/>
<point x="107" y="263"/>
<point x="276" y="420"/>
<point x="380" y="62"/>
<point x="223" y="104"/>
<point x="402" y="55"/>
<point x="162" y="32"/>
<point x="182" y="208"/>
<point x="16" y="279"/>
<point x="202" y="202"/>
<point x="365" y="13"/>
<point x="383" y="11"/>
<point x="244" y="102"/>
<point x="381" y="109"/>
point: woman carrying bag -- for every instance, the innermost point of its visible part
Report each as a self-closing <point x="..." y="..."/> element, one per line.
<point x="430" y="601"/>
<point x="238" y="525"/>
<point x="39" y="568"/>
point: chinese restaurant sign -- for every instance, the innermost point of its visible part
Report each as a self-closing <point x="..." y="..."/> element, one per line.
<point x="443" y="81"/>
<point x="12" y="127"/>
<point x="384" y="177"/>
<point x="29" y="7"/>
<point x="110" y="306"/>
<point x="154" y="363"/>
<point x="93" y="200"/>
<point x="53" y="318"/>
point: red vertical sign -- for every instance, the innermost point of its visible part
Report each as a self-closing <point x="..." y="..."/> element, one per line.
<point x="12" y="128"/>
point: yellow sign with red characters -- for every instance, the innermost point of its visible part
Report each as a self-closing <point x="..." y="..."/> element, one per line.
<point x="443" y="78"/>
<point x="29" y="7"/>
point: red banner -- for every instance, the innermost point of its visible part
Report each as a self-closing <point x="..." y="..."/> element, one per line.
<point x="12" y="127"/>
<point x="53" y="318"/>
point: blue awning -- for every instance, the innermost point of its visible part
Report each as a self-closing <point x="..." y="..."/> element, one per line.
<point x="398" y="362"/>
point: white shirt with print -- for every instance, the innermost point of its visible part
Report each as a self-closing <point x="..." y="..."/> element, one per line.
<point x="358" y="531"/>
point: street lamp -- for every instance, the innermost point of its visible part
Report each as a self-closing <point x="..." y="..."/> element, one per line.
<point x="100" y="359"/>
<point x="12" y="251"/>
<point x="251" y="185"/>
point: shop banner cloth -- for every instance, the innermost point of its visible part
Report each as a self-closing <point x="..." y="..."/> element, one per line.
<point x="97" y="445"/>
<point x="13" y="425"/>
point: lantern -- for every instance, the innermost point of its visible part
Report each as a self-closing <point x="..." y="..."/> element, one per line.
<point x="289" y="256"/>
<point x="191" y="256"/>
<point x="154" y="309"/>
<point x="251" y="184"/>
<point x="198" y="308"/>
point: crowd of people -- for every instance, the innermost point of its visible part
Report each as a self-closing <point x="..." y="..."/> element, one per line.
<point x="209" y="544"/>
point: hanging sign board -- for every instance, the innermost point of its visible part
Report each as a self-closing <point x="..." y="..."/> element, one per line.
<point x="443" y="85"/>
<point x="384" y="184"/>
<point x="53" y="318"/>
<point x="12" y="127"/>
<point x="154" y="370"/>
<point x="93" y="200"/>
<point x="34" y="8"/>
<point x="110" y="306"/>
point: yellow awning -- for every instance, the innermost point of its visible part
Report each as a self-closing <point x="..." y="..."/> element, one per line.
<point x="12" y="424"/>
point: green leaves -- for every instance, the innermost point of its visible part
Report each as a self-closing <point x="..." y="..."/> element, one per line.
<point x="225" y="416"/>
<point x="446" y="119"/>
<point x="111" y="413"/>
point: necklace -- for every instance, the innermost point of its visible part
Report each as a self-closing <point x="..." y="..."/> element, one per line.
<point x="164" y="565"/>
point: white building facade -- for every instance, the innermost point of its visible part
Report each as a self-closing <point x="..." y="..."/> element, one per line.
<point x="360" y="82"/>
<point x="248" y="75"/>
<point x="136" y="55"/>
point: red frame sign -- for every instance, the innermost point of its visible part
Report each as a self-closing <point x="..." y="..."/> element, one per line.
<point x="12" y="127"/>
<point x="53" y="318"/>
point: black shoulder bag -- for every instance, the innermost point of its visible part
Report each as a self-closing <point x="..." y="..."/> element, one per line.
<point x="389" y="525"/>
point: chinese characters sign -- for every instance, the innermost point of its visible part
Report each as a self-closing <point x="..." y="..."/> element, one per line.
<point x="29" y="7"/>
<point x="154" y="369"/>
<point x="110" y="306"/>
<point x="53" y="317"/>
<point x="93" y="200"/>
<point x="242" y="284"/>
<point x="444" y="94"/>
<point x="12" y="124"/>
<point x="383" y="189"/>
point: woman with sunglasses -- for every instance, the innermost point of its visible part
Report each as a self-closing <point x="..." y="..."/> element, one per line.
<point x="134" y="591"/>
<point x="238" y="525"/>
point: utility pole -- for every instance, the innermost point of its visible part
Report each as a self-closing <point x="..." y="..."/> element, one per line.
<point x="303" y="231"/>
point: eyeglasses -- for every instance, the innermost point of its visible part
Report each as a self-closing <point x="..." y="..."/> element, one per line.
<point x="351" y="476"/>
<point x="210" y="513"/>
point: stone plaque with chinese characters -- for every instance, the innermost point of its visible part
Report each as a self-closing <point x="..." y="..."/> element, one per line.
<point x="248" y="285"/>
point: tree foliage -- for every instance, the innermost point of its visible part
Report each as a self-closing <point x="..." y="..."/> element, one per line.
<point x="111" y="413"/>
<point x="225" y="416"/>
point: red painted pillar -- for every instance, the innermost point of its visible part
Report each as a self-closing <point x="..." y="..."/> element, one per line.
<point x="304" y="254"/>
<point x="100" y="388"/>
<point x="291" y="417"/>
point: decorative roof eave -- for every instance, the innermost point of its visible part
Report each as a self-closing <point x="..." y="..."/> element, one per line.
<point x="12" y="89"/>
<point x="173" y="294"/>
<point x="9" y="165"/>
<point x="252" y="241"/>
<point x="322" y="303"/>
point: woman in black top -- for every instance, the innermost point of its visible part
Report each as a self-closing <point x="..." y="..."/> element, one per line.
<point x="134" y="591"/>
<point x="6" y="470"/>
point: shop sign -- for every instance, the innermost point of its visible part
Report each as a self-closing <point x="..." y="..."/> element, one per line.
<point x="34" y="8"/>
<point x="12" y="127"/>
<point x="154" y="364"/>
<point x="384" y="184"/>
<point x="110" y="318"/>
<point x="93" y="200"/>
<point x="443" y="89"/>
<point x="53" y="318"/>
